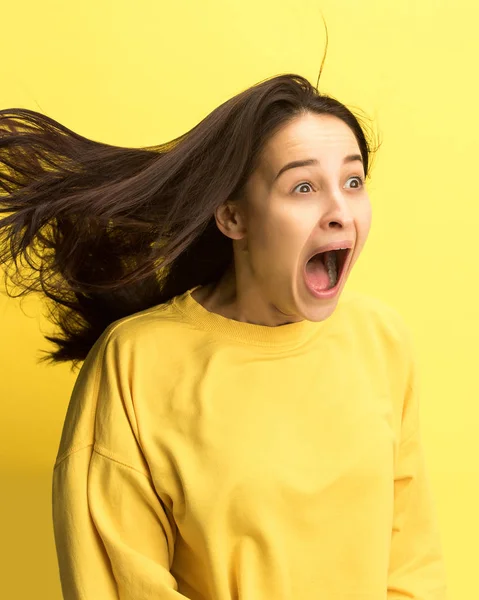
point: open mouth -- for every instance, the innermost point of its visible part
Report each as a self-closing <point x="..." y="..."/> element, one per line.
<point x="324" y="269"/>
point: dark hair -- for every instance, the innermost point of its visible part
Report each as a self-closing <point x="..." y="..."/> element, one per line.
<point x="105" y="231"/>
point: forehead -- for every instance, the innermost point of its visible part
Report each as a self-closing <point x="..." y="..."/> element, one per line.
<point x="323" y="137"/>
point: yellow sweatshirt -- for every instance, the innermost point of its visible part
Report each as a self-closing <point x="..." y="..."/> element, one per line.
<point x="210" y="459"/>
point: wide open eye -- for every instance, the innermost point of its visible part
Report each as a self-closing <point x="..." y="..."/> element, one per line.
<point x="358" y="181"/>
<point x="304" y="183"/>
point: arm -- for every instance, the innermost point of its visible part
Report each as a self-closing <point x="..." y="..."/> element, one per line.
<point x="416" y="569"/>
<point x="114" y="532"/>
<point x="113" y="536"/>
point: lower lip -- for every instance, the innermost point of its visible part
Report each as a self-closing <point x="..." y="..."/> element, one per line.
<point x="330" y="293"/>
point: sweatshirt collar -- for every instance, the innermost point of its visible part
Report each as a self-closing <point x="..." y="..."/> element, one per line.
<point x="262" y="335"/>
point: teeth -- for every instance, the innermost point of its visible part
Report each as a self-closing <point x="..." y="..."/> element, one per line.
<point x="332" y="267"/>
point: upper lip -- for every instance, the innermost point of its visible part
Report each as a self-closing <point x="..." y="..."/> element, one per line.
<point x="340" y="244"/>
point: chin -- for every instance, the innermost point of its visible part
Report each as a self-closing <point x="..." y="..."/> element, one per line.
<point x="320" y="313"/>
<point x="313" y="309"/>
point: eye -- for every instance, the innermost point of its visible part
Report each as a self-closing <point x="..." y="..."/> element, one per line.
<point x="304" y="183"/>
<point x="359" y="181"/>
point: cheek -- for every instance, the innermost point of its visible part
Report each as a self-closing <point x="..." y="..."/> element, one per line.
<point x="275" y="243"/>
<point x="363" y="225"/>
<point x="363" y="221"/>
<point x="277" y="229"/>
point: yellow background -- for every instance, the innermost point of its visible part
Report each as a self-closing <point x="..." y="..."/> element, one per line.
<point x="140" y="73"/>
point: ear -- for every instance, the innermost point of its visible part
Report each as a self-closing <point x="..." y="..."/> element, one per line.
<point x="230" y="220"/>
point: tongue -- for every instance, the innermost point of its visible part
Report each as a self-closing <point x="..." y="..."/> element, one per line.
<point x="316" y="275"/>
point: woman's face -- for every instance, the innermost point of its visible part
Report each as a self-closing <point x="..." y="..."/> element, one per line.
<point x="284" y="218"/>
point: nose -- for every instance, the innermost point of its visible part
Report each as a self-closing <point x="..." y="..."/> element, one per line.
<point x="337" y="212"/>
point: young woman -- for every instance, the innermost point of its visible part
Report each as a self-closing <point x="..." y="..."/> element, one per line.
<point x="240" y="428"/>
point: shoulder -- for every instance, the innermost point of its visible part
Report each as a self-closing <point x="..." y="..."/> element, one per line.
<point x="382" y="339"/>
<point x="375" y="318"/>
<point x="145" y="335"/>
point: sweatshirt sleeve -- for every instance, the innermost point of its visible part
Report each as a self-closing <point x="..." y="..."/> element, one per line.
<point x="416" y="569"/>
<point x="114" y="533"/>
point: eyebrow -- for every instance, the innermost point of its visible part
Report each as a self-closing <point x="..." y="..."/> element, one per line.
<point x="313" y="161"/>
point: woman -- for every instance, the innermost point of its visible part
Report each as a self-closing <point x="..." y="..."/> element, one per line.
<point x="240" y="427"/>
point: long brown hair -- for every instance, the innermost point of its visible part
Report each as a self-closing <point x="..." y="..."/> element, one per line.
<point x="104" y="231"/>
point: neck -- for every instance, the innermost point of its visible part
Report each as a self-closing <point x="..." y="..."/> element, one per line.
<point x="229" y="298"/>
